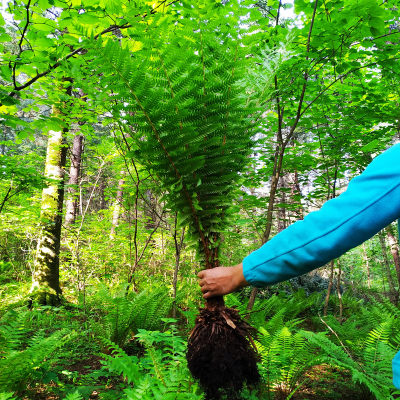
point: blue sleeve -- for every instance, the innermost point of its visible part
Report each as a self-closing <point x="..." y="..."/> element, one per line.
<point x="371" y="202"/>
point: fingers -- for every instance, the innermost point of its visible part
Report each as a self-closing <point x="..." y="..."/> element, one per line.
<point x="208" y="293"/>
<point x="205" y="286"/>
<point x="212" y="282"/>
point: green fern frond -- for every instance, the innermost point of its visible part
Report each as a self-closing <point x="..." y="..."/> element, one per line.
<point x="74" y="396"/>
<point x="161" y="373"/>
<point x="374" y="372"/>
<point x="189" y="115"/>
<point x="127" y="314"/>
<point x="7" y="396"/>
<point x="19" y="366"/>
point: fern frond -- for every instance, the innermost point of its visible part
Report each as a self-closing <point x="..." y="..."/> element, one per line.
<point x="190" y="116"/>
<point x="18" y="367"/>
<point x="74" y="396"/>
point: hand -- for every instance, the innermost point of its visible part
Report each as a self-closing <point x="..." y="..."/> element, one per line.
<point x="221" y="280"/>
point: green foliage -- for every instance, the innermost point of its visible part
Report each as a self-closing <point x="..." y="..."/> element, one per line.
<point x="183" y="82"/>
<point x="189" y="114"/>
<point x="127" y="314"/>
<point x="373" y="370"/>
<point x="286" y="355"/>
<point x="6" y="396"/>
<point x="160" y="373"/>
<point x="20" y="365"/>
<point x="74" y="396"/>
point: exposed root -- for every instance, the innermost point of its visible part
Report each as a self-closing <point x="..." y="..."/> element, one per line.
<point x="221" y="353"/>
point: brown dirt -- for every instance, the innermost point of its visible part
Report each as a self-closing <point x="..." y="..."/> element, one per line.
<point x="219" y="353"/>
<point x="324" y="382"/>
<point x="86" y="366"/>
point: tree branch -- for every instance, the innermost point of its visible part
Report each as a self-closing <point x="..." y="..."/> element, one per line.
<point x="81" y="49"/>
<point x="303" y="92"/>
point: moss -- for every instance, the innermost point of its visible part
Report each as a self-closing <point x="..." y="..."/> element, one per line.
<point x="45" y="285"/>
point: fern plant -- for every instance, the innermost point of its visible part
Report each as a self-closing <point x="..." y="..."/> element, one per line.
<point x="372" y="367"/>
<point x="285" y="354"/>
<point x="74" y="396"/>
<point x="189" y="115"/>
<point x="128" y="314"/>
<point x="160" y="373"/>
<point x="7" y="396"/>
<point x="20" y="366"/>
<point x="181" y="103"/>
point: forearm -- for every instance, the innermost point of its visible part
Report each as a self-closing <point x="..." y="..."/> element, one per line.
<point x="371" y="202"/>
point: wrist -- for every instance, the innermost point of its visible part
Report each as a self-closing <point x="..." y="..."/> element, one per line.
<point x="239" y="279"/>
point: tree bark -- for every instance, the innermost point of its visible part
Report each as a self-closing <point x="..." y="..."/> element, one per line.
<point x="74" y="172"/>
<point x="328" y="293"/>
<point x="178" y="250"/>
<point x="45" y="286"/>
<point x="366" y="260"/>
<point x="386" y="266"/>
<point x="339" y="293"/>
<point x="282" y="214"/>
<point x="102" y="200"/>
<point x="117" y="205"/>
<point x="46" y="283"/>
<point x="394" y="249"/>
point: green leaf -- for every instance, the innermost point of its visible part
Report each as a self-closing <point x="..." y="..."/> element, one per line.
<point x="5" y="38"/>
<point x="371" y="146"/>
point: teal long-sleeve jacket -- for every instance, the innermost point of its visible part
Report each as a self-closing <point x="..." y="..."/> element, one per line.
<point x="371" y="202"/>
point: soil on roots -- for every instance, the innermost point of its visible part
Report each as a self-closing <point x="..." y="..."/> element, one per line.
<point x="220" y="352"/>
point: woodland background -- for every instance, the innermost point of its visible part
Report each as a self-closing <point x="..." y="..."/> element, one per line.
<point x="98" y="263"/>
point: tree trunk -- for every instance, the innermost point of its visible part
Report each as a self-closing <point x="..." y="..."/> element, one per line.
<point x="296" y="196"/>
<point x="45" y="282"/>
<point x="394" y="249"/>
<point x="178" y="250"/>
<point x="278" y="161"/>
<point x="282" y="217"/>
<point x="366" y="260"/>
<point x="386" y="265"/>
<point x="117" y="205"/>
<point x="339" y="293"/>
<point x="74" y="171"/>
<point x="102" y="201"/>
<point x="328" y="293"/>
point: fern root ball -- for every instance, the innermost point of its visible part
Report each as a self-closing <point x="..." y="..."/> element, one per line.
<point x="221" y="353"/>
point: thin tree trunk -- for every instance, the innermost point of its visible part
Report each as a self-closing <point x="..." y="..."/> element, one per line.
<point x="366" y="260"/>
<point x="178" y="250"/>
<point x="394" y="249"/>
<point x="45" y="281"/>
<point x="386" y="264"/>
<point x="328" y="293"/>
<point x="279" y="154"/>
<point x="296" y="192"/>
<point x="117" y="205"/>
<point x="74" y="172"/>
<point x="102" y="186"/>
<point x="282" y="214"/>
<point x="339" y="293"/>
<point x="281" y="142"/>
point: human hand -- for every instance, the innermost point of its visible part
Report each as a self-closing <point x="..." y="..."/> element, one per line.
<point x="221" y="280"/>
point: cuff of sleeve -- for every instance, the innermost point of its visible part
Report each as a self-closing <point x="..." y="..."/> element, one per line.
<point x="396" y="370"/>
<point x="249" y="274"/>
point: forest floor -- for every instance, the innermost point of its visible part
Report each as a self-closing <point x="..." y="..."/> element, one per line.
<point x="81" y="367"/>
<point x="320" y="383"/>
